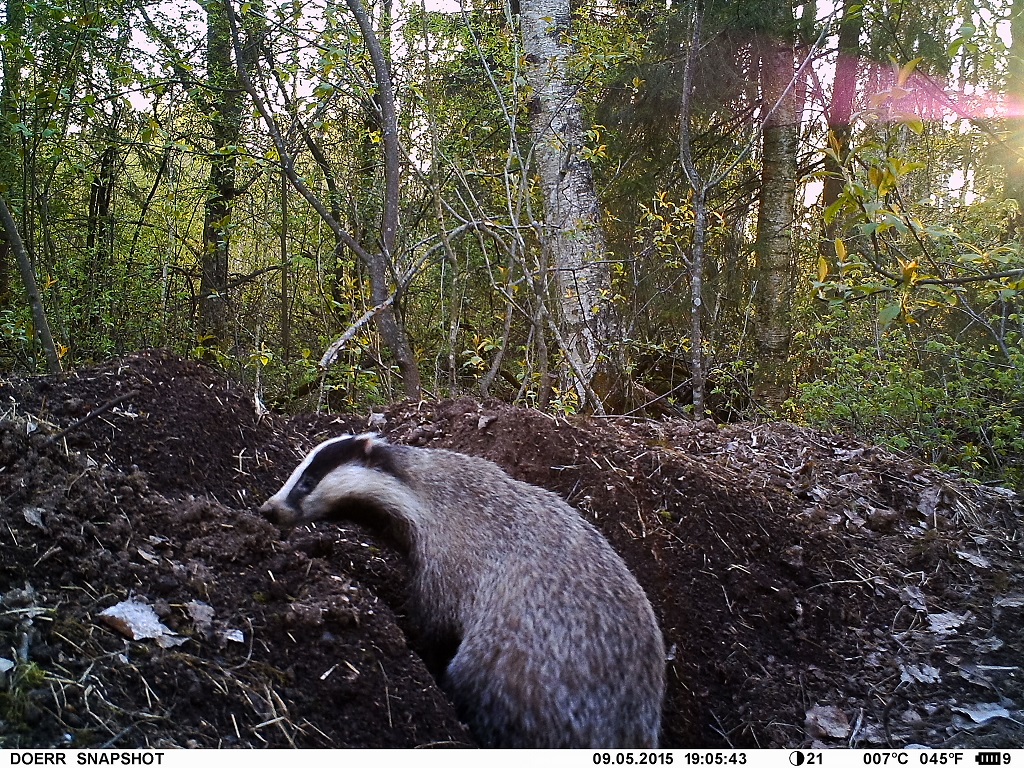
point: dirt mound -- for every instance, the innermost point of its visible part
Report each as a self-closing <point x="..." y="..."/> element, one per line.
<point x="811" y="589"/>
<point x="149" y="502"/>
<point x="191" y="429"/>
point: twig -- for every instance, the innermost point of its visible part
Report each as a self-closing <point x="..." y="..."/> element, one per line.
<point x="112" y="741"/>
<point x="387" y="694"/>
<point x="90" y="416"/>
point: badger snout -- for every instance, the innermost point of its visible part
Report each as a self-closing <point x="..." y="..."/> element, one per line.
<point x="278" y="512"/>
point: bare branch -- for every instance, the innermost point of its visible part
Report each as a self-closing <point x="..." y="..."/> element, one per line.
<point x="287" y="162"/>
<point x="28" y="277"/>
<point x="91" y="415"/>
<point x="389" y="127"/>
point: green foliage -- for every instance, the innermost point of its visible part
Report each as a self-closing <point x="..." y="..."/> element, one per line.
<point x="915" y="334"/>
<point x="667" y="229"/>
<point x="920" y="345"/>
<point x="15" y="337"/>
<point x="953" y="403"/>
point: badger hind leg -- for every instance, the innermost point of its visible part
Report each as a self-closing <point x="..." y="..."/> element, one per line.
<point x="512" y="697"/>
<point x="491" y="704"/>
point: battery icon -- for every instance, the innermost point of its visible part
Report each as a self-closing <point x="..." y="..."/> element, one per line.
<point x="989" y="758"/>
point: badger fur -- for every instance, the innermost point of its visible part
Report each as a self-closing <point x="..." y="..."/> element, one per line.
<point x="557" y="645"/>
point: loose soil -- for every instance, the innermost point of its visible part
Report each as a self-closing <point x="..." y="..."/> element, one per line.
<point x="813" y="590"/>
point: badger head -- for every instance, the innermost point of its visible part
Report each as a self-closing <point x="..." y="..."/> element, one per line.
<point x="350" y="471"/>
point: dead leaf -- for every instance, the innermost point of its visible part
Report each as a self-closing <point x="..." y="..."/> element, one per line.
<point x="922" y="673"/>
<point x="914" y="597"/>
<point x="976" y="560"/>
<point x="928" y="501"/>
<point x="149" y="557"/>
<point x="988" y="644"/>
<point x="169" y="641"/>
<point x="946" y="623"/>
<point x="202" y="615"/>
<point x="1009" y="601"/>
<point x="232" y="635"/>
<point x="34" y="516"/>
<point x="830" y="722"/>
<point x="983" y="712"/>
<point x="261" y="408"/>
<point x="138" y="621"/>
<point x="1006" y="610"/>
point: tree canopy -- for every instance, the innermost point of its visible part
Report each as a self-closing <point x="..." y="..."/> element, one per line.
<point x="728" y="209"/>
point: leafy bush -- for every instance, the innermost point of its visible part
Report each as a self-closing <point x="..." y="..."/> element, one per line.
<point x="956" y="404"/>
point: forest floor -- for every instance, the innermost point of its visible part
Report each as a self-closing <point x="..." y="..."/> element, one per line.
<point x="812" y="590"/>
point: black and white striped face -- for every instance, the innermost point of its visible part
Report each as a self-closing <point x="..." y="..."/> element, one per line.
<point x="336" y="469"/>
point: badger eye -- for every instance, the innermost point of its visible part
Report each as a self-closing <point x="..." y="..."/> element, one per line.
<point x="304" y="486"/>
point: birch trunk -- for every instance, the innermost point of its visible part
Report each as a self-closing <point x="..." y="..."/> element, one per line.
<point x="571" y="230"/>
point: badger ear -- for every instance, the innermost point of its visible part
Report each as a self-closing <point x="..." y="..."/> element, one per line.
<point x="369" y="443"/>
<point x="377" y="453"/>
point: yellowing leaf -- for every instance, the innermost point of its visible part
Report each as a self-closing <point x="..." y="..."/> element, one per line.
<point x="907" y="70"/>
<point x="887" y="183"/>
<point x="822" y="269"/>
<point x="910" y="272"/>
<point x="840" y="249"/>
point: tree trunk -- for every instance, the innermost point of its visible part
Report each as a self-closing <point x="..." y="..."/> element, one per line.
<point x="9" y="166"/>
<point x="226" y="125"/>
<point x="700" y="187"/>
<point x="286" y="317"/>
<point x="840" y="113"/>
<point x="773" y="244"/>
<point x="698" y="375"/>
<point x="93" y="287"/>
<point x="100" y="197"/>
<point x="1014" y="141"/>
<point x="571" y="229"/>
<point x="28" y="277"/>
<point x="388" y="321"/>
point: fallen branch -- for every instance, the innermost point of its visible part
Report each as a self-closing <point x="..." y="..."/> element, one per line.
<point x="332" y="351"/>
<point x="91" y="415"/>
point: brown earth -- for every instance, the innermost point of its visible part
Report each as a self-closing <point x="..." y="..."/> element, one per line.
<point x="812" y="590"/>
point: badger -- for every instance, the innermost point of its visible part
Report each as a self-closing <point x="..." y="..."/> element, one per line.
<point x="555" y="643"/>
